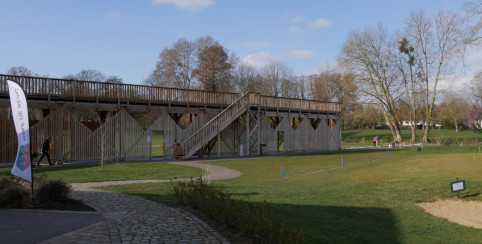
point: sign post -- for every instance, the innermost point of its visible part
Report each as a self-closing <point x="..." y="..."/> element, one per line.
<point x="458" y="186"/>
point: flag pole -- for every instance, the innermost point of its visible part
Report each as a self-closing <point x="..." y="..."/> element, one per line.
<point x="31" y="165"/>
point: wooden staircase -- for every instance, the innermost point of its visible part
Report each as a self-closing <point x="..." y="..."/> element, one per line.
<point x="192" y="144"/>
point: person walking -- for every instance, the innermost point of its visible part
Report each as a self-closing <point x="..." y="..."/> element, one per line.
<point x="45" y="152"/>
<point x="374" y="141"/>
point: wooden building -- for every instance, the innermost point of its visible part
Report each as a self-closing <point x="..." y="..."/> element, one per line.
<point x="220" y="123"/>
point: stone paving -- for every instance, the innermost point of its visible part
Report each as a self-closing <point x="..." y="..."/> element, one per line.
<point x="132" y="219"/>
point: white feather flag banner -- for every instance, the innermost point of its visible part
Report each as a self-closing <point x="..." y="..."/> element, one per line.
<point x="18" y="102"/>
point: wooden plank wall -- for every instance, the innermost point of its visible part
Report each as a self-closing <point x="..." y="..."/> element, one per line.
<point x="172" y="132"/>
<point x="126" y="139"/>
<point x="41" y="130"/>
<point x="304" y="138"/>
<point x="8" y="141"/>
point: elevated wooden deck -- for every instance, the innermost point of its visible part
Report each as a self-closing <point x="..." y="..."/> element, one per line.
<point x="90" y="95"/>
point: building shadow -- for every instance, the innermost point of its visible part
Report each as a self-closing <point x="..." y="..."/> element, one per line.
<point x="330" y="224"/>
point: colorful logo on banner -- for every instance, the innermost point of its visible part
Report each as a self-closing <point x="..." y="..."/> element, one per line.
<point x="23" y="158"/>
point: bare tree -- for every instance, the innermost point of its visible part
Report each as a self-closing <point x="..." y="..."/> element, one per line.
<point x="246" y="78"/>
<point x="21" y="71"/>
<point x="439" y="43"/>
<point x="90" y="75"/>
<point x="276" y="76"/>
<point x="455" y="107"/>
<point x="328" y="84"/>
<point x="410" y="77"/>
<point x="369" y="53"/>
<point x="175" y="67"/>
<point x="114" y="79"/>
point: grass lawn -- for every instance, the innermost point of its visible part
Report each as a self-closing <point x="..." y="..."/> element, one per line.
<point x="386" y="136"/>
<point x="157" y="143"/>
<point x="135" y="171"/>
<point x="370" y="200"/>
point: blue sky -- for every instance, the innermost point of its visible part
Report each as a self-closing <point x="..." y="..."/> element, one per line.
<point x="124" y="37"/>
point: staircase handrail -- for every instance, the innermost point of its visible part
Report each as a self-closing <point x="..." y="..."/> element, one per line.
<point x="217" y="121"/>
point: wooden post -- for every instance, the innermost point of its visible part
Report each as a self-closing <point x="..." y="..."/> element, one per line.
<point x="246" y="140"/>
<point x="219" y="143"/>
<point x="258" y="115"/>
<point x="122" y="134"/>
<point x="118" y="97"/>
<point x="233" y="136"/>
<point x="150" y="146"/>
<point x="164" y="145"/>
<point x="60" y="134"/>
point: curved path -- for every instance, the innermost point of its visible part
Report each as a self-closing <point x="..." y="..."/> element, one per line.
<point x="132" y="219"/>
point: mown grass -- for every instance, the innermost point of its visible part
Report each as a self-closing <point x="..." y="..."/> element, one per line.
<point x="134" y="171"/>
<point x="386" y="137"/>
<point x="370" y="200"/>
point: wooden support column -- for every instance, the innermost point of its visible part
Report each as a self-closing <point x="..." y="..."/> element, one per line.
<point x="150" y="146"/>
<point x="258" y="116"/>
<point x="233" y="136"/>
<point x="60" y="135"/>
<point x="219" y="143"/>
<point x="122" y="129"/>
<point x="246" y="140"/>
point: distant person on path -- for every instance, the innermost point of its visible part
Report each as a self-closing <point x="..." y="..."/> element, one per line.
<point x="374" y="141"/>
<point x="45" y="151"/>
<point x="377" y="140"/>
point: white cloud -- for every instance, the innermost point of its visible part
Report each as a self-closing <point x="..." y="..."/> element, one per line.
<point x="114" y="15"/>
<point x="192" y="5"/>
<point x="296" y="19"/>
<point x="294" y="29"/>
<point x="151" y="63"/>
<point x="261" y="59"/>
<point x="301" y="54"/>
<point x="320" y="23"/>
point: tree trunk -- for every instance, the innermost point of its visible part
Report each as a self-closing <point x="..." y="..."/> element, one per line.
<point x="456" y="127"/>
<point x="427" y="127"/>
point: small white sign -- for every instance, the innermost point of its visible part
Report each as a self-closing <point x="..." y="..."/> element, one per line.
<point x="148" y="138"/>
<point x="165" y="141"/>
<point x="458" y="186"/>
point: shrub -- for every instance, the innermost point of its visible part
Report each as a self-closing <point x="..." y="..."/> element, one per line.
<point x="456" y="141"/>
<point x="447" y="141"/>
<point x="432" y="140"/>
<point x="53" y="191"/>
<point x="384" y="139"/>
<point x="12" y="192"/>
<point x="439" y="140"/>
<point x="448" y="125"/>
<point x="11" y="196"/>
<point x="347" y="140"/>
<point x="355" y="140"/>
<point x="467" y="141"/>
<point x="260" y="222"/>
<point x="475" y="141"/>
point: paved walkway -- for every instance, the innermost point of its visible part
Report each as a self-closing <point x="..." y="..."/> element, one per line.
<point x="131" y="219"/>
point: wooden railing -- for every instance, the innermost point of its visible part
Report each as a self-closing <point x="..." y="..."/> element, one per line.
<point x="60" y="88"/>
<point x="295" y="104"/>
<point x="192" y="144"/>
<point x="78" y="90"/>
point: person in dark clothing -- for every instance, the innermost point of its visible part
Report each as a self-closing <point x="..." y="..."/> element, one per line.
<point x="45" y="151"/>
